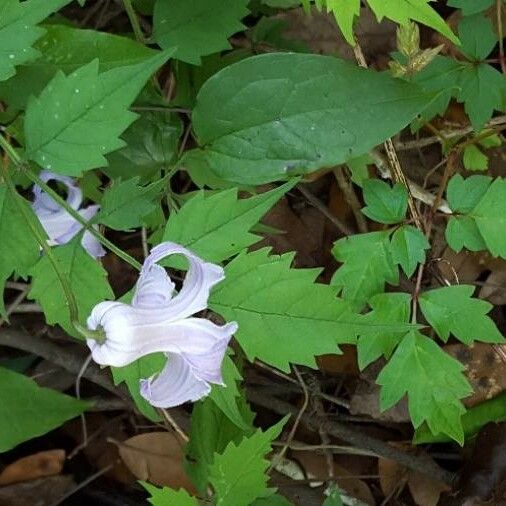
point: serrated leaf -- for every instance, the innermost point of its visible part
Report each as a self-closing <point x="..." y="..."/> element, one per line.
<point x="199" y="27"/>
<point x="18" y="31"/>
<point x="67" y="48"/>
<point x="278" y="115"/>
<point x="345" y="13"/>
<point x="283" y="315"/>
<point x="474" y="158"/>
<point x="211" y="432"/>
<point x="408" y="247"/>
<point x="433" y="381"/>
<point x="477" y="36"/>
<point x="126" y="203"/>
<point x="28" y="411"/>
<point x="238" y="475"/>
<point x="462" y="232"/>
<point x="77" y="119"/>
<point x="168" y="497"/>
<point x="88" y="281"/>
<point x="131" y="374"/>
<point x="217" y="226"/>
<point x="19" y="250"/>
<point x="385" y="204"/>
<point x="463" y="195"/>
<point x="367" y="266"/>
<point x="470" y="7"/>
<point x="490" y="217"/>
<point x="452" y="309"/>
<point x="386" y="308"/>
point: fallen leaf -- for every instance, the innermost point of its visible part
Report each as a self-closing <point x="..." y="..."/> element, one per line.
<point x="36" y="492"/>
<point x="34" y="466"/>
<point x="157" y="457"/>
<point x="494" y="288"/>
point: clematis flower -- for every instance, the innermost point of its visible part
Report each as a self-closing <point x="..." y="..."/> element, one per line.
<point x="158" y="321"/>
<point x="57" y="222"/>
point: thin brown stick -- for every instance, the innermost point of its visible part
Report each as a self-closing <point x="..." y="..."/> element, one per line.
<point x="351" y="198"/>
<point x="14" y="304"/>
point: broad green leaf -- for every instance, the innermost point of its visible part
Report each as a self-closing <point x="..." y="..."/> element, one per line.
<point x="18" y="31"/>
<point x="408" y="248"/>
<point x="452" y="309"/>
<point x="272" y="500"/>
<point x="492" y="410"/>
<point x="211" y="432"/>
<point x="66" y="48"/>
<point x="433" y="382"/>
<point x="168" y="497"/>
<point x="126" y="203"/>
<point x="227" y="397"/>
<point x="277" y="115"/>
<point x="477" y="36"/>
<point x="386" y="308"/>
<point x="359" y="168"/>
<point x="151" y="145"/>
<point x="28" y="411"/>
<point x="385" y="204"/>
<point x="283" y="315"/>
<point x="88" y="281"/>
<point x="462" y="232"/>
<point x="197" y="27"/>
<point x="238" y="475"/>
<point x="217" y="226"/>
<point x="77" y="119"/>
<point x="463" y="195"/>
<point x="131" y="374"/>
<point x="474" y="158"/>
<point x="470" y="7"/>
<point x="367" y="266"/>
<point x="490" y="217"/>
<point x="19" y="250"/>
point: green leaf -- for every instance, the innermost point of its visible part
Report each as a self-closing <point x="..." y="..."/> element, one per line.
<point x="66" y="48"/>
<point x="131" y="374"/>
<point x="385" y="204"/>
<point x="168" y="497"/>
<point x="334" y="498"/>
<point x="283" y="315"/>
<point x="408" y="248"/>
<point x="151" y="145"/>
<point x="359" y="168"/>
<point x="199" y="27"/>
<point x="272" y="500"/>
<point x="28" y="411"/>
<point x="18" y="31"/>
<point x="126" y="203"/>
<point x="462" y="232"/>
<point x="88" y="281"/>
<point x="477" y="36"/>
<point x="77" y="119"/>
<point x="367" y="266"/>
<point x="278" y="115"/>
<point x="227" y="397"/>
<point x="474" y="158"/>
<point x="433" y="381"/>
<point x="463" y="195"/>
<point x="19" y="250"/>
<point x="345" y="14"/>
<point x="217" y="226"/>
<point x="470" y="7"/>
<point x="490" y="217"/>
<point x="452" y="309"/>
<point x="386" y="308"/>
<point x="238" y="475"/>
<point x="211" y="432"/>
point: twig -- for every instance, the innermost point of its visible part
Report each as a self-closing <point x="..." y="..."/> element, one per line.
<point x="179" y="431"/>
<point x="78" y="395"/>
<point x="339" y="449"/>
<point x="351" y="198"/>
<point x="345" y="230"/>
<point x="13" y="285"/>
<point x="27" y="308"/>
<point x="14" y="304"/>
<point x="144" y="239"/>
<point x="418" y="463"/>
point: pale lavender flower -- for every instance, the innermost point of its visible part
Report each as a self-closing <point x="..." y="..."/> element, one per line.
<point x="156" y="321"/>
<point x="57" y="222"/>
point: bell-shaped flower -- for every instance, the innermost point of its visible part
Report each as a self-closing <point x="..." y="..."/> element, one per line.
<point x="59" y="225"/>
<point x="157" y="321"/>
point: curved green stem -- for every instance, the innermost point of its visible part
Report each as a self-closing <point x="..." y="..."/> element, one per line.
<point x="134" y="21"/>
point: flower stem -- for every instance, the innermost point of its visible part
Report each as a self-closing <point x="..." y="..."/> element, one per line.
<point x="134" y="21"/>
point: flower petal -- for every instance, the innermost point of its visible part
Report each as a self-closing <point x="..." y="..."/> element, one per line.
<point x="175" y="385"/>
<point x="92" y="246"/>
<point x="44" y="203"/>
<point x="199" y="280"/>
<point x="132" y="332"/>
<point x="154" y="288"/>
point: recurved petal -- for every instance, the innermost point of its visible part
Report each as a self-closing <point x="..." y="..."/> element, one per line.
<point x="60" y="227"/>
<point x="153" y="289"/>
<point x="92" y="246"/>
<point x="44" y="202"/>
<point x="175" y="385"/>
<point x="132" y="332"/>
<point x="199" y="280"/>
